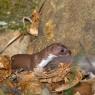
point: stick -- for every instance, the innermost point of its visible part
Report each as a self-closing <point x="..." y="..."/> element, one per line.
<point x="10" y="42"/>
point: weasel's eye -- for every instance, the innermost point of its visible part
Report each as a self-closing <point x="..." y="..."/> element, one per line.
<point x="62" y="50"/>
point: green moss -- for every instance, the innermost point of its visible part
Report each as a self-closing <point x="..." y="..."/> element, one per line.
<point x="69" y="92"/>
<point x="12" y="11"/>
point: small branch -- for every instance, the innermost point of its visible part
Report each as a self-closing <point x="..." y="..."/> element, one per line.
<point x="10" y="42"/>
<point x="26" y="18"/>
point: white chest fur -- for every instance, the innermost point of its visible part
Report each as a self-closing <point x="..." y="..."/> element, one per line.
<point x="44" y="62"/>
<point x="39" y="68"/>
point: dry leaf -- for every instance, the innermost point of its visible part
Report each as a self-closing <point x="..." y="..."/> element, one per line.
<point x="33" y="29"/>
<point x="61" y="78"/>
<point x="5" y="67"/>
<point x="55" y="79"/>
<point x="27" y="81"/>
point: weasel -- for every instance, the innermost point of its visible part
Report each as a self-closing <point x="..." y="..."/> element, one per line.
<point x="39" y="60"/>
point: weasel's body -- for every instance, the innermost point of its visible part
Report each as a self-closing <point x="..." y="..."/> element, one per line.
<point x="40" y="59"/>
<point x="22" y="61"/>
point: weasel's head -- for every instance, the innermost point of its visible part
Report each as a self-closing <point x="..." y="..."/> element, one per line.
<point x="58" y="49"/>
<point x="52" y="51"/>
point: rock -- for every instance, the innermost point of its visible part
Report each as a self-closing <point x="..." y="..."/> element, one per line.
<point x="68" y="22"/>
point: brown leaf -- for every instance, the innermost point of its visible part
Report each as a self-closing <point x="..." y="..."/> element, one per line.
<point x="33" y="29"/>
<point x="5" y="67"/>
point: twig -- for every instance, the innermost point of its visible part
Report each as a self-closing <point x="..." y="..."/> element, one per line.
<point x="10" y="42"/>
<point x="43" y="3"/>
<point x="26" y="18"/>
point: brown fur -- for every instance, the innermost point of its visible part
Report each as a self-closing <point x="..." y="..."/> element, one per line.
<point x="29" y="61"/>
